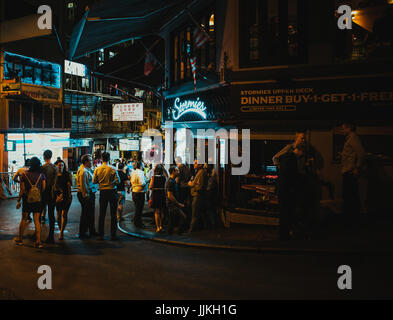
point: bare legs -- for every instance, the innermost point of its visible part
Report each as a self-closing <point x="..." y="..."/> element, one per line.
<point x="36" y="218"/>
<point x="159" y="217"/>
<point x="62" y="218"/>
<point x="22" y="228"/>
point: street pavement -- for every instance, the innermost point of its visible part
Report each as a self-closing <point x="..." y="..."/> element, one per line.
<point x="368" y="236"/>
<point x="137" y="269"/>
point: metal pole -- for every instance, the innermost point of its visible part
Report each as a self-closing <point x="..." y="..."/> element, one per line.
<point x="24" y="144"/>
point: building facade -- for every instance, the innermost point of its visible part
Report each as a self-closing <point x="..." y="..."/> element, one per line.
<point x="277" y="67"/>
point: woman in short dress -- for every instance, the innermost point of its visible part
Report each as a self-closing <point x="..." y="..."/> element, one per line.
<point x="31" y="177"/>
<point x="63" y="196"/>
<point x="157" y="186"/>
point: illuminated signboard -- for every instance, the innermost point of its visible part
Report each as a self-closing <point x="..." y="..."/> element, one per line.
<point x="128" y="112"/>
<point x="188" y="106"/>
<point x="31" y="71"/>
<point x="76" y="69"/>
<point x="10" y="145"/>
<point x="128" y="145"/>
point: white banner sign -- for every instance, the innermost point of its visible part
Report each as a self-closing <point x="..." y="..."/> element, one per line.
<point x="74" y="68"/>
<point x="128" y="112"/>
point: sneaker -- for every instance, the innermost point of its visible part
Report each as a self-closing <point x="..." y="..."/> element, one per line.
<point x="18" y="241"/>
<point x="38" y="245"/>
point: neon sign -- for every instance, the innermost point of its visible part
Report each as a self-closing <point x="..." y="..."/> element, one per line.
<point x="188" y="106"/>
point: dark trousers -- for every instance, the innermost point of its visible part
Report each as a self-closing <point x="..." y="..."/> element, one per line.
<point x="287" y="199"/>
<point x="351" y="198"/>
<point x="107" y="196"/>
<point x="196" y="208"/>
<point x="49" y="201"/>
<point x="139" y="203"/>
<point x="174" y="215"/>
<point x="87" y="214"/>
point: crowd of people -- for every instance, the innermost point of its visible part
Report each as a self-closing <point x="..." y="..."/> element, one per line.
<point x="182" y="198"/>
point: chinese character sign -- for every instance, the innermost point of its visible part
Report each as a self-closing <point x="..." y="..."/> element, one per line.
<point x="128" y="112"/>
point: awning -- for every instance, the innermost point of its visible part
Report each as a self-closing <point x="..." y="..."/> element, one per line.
<point x="111" y="22"/>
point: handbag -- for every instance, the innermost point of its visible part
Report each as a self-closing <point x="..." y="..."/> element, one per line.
<point x="60" y="198"/>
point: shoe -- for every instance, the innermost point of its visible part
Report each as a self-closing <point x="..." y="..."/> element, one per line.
<point x="83" y="236"/>
<point x="18" y="241"/>
<point x="38" y="245"/>
<point x="61" y="237"/>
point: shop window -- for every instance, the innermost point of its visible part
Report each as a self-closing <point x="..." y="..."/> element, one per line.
<point x="272" y="32"/>
<point x="48" y="117"/>
<point x="37" y="115"/>
<point x="184" y="47"/>
<point x="14" y="114"/>
<point x="58" y="118"/>
<point x="26" y="114"/>
<point x="257" y="189"/>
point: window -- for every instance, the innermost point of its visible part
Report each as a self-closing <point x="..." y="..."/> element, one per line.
<point x="184" y="47"/>
<point x="371" y="33"/>
<point x="26" y="114"/>
<point x="67" y="118"/>
<point x="13" y="114"/>
<point x="48" y="117"/>
<point x="272" y="32"/>
<point x="101" y="57"/>
<point x="58" y="118"/>
<point x="37" y="115"/>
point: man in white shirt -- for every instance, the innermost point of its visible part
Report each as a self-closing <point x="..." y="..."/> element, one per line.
<point x="352" y="157"/>
<point x="138" y="183"/>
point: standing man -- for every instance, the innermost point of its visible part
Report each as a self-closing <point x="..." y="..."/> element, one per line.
<point x="86" y="197"/>
<point x="107" y="178"/>
<point x="288" y="189"/>
<point x="138" y="183"/>
<point x="352" y="157"/>
<point x="48" y="196"/>
<point x="198" y="191"/>
<point x="173" y="205"/>
<point x="309" y="166"/>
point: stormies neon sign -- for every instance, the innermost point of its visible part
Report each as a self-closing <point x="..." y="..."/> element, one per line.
<point x="188" y="106"/>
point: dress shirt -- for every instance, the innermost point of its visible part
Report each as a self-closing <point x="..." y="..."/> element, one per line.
<point x="84" y="181"/>
<point x="106" y="177"/>
<point x="352" y="155"/>
<point x="138" y="181"/>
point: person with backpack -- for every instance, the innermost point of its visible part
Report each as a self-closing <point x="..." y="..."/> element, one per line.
<point x="48" y="197"/>
<point x="33" y="183"/>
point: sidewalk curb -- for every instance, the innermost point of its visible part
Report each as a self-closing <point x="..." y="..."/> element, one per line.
<point x="277" y="250"/>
